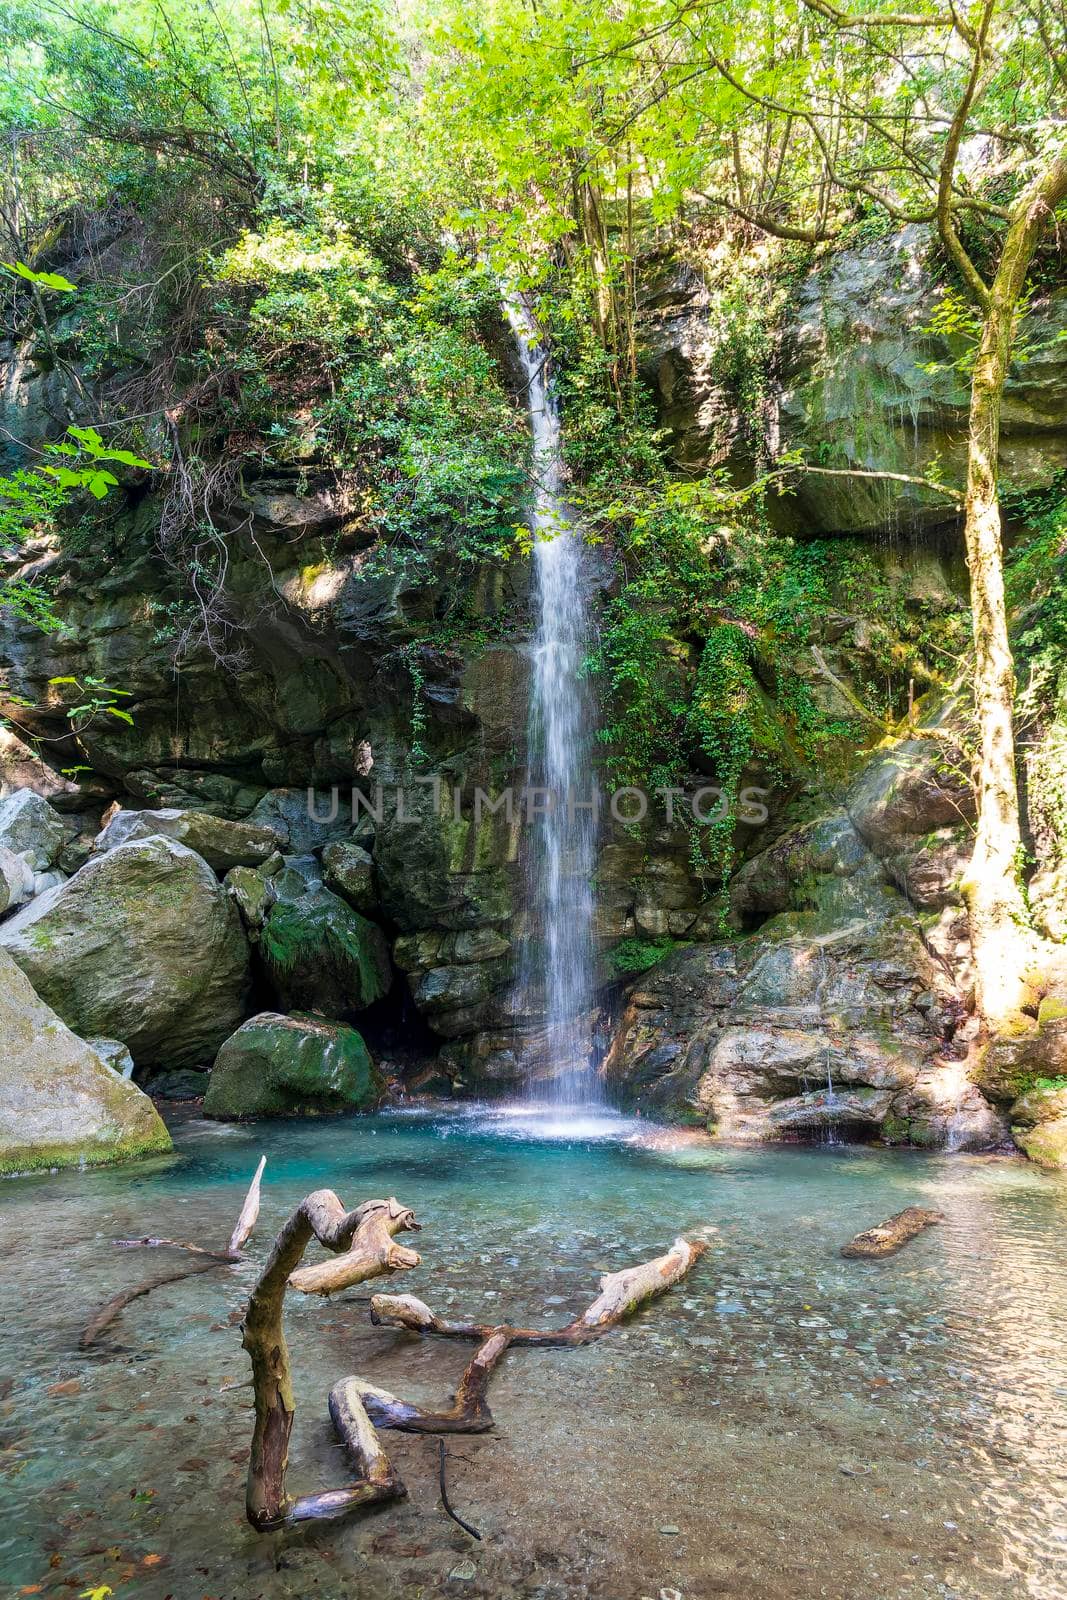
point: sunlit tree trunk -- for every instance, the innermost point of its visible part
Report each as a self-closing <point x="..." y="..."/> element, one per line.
<point x="1003" y="945"/>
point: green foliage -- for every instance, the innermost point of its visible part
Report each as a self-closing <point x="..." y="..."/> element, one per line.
<point x="638" y="955"/>
<point x="385" y="379"/>
<point x="96" y="698"/>
<point x="45" y="280"/>
<point x="1036" y="591"/>
<point x="1036" y="588"/>
<point x="704" y="660"/>
<point x="32" y="501"/>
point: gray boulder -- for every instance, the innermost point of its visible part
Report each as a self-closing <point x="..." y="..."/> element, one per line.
<point x="222" y="844"/>
<point x="144" y="943"/>
<point x="277" y="1066"/>
<point x="30" y="828"/>
<point x="349" y="871"/>
<point x="304" y="820"/>
<point x="60" y="1105"/>
<point x="16" y="880"/>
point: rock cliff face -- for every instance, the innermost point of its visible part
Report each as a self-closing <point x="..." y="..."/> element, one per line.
<point x="837" y="1016"/>
<point x="861" y="381"/>
<point x="840" y="998"/>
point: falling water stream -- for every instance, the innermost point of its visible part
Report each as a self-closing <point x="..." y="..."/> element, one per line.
<point x="557" y="970"/>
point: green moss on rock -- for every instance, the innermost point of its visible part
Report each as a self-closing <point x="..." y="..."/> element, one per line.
<point x="60" y="1104"/>
<point x="322" y="954"/>
<point x="281" y="1066"/>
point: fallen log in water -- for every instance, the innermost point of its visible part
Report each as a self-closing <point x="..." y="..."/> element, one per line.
<point x="889" y="1236"/>
<point x="104" y="1316"/>
<point x="621" y="1293"/>
<point x="363" y="1242"/>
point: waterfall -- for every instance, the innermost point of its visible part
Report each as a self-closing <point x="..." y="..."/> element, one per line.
<point x="557" y="973"/>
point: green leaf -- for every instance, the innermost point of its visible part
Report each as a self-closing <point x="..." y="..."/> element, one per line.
<point x="100" y="483"/>
<point x="55" y="280"/>
<point x="74" y="681"/>
<point x="66" y="476"/>
<point x="47" y="280"/>
<point x="115" y="711"/>
<point x="127" y="458"/>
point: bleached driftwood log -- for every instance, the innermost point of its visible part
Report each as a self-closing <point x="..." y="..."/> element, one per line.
<point x="249" y="1215"/>
<point x="103" y="1317"/>
<point x="888" y="1237"/>
<point x="369" y="1250"/>
<point x="363" y="1241"/>
<point x="621" y="1293"/>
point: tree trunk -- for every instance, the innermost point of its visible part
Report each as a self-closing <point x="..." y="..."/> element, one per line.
<point x="1002" y="943"/>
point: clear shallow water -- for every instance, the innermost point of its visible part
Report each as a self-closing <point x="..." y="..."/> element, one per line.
<point x="809" y="1426"/>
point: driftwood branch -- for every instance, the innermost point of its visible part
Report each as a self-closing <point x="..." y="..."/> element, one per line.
<point x="103" y="1317"/>
<point x="889" y="1236"/>
<point x="621" y="1293"/>
<point x="249" y="1215"/>
<point x="364" y="1247"/>
<point x="365" y="1239"/>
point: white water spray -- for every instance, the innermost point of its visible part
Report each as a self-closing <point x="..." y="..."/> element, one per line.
<point x="559" y="961"/>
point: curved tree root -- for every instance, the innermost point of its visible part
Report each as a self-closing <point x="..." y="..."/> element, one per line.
<point x="364" y="1247"/>
<point x="621" y="1293"/>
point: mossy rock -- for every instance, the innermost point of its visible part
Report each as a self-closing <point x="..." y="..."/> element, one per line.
<point x="321" y="955"/>
<point x="349" y="871"/>
<point x="277" y="1066"/>
<point x="61" y="1105"/>
<point x="143" y="944"/>
<point x="1046" y="1144"/>
<point x="1043" y="1101"/>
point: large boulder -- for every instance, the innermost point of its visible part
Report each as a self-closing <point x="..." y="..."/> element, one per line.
<point x="22" y="768"/>
<point x="61" y="1105"/>
<point x="30" y="828"/>
<point x="222" y="844"/>
<point x="835" y="1013"/>
<point x="142" y="944"/>
<point x="1039" y="1122"/>
<point x="321" y="955"/>
<point x="16" y="880"/>
<point x="276" y="1066"/>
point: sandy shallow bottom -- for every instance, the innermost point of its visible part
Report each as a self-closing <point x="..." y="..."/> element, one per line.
<point x="785" y="1425"/>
